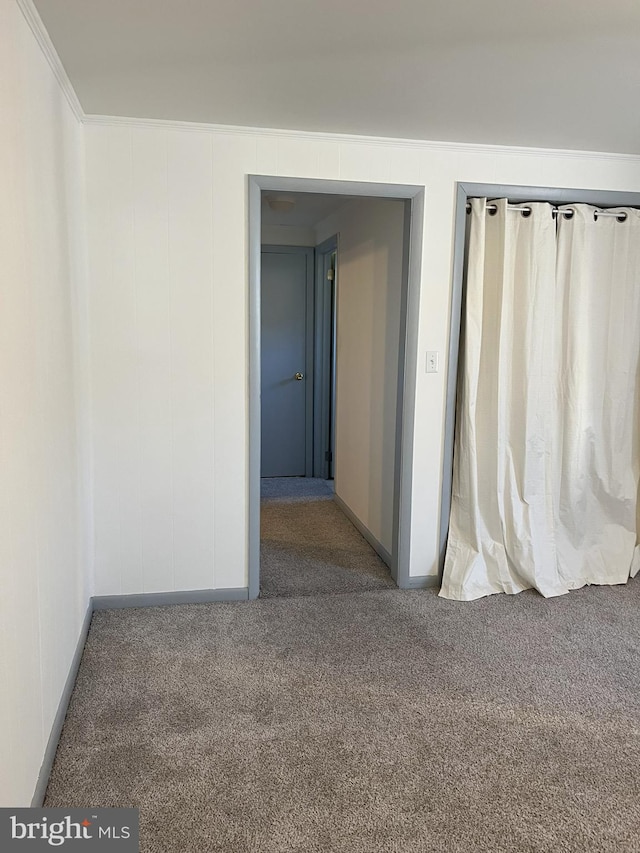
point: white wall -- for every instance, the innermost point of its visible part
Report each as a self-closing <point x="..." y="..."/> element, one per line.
<point x="44" y="555"/>
<point x="153" y="429"/>
<point x="169" y="326"/>
<point x="370" y="250"/>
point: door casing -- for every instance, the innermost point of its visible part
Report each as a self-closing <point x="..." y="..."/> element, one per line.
<point x="408" y="362"/>
<point x="324" y="342"/>
<point x="517" y="194"/>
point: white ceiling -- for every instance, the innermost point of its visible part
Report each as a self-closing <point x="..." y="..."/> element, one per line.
<point x="309" y="208"/>
<point x="551" y="73"/>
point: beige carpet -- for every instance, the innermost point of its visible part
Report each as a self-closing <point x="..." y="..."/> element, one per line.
<point x="376" y="722"/>
<point x="309" y="547"/>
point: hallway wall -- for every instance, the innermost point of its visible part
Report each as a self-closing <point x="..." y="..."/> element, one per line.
<point x="282" y="235"/>
<point x="370" y="253"/>
<point x="44" y="504"/>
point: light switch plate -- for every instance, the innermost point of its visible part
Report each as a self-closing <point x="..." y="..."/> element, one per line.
<point x="433" y="360"/>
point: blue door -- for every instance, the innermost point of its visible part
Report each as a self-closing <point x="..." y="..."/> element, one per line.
<point x="286" y="330"/>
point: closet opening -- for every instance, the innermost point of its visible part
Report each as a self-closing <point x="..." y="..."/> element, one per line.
<point x="532" y="275"/>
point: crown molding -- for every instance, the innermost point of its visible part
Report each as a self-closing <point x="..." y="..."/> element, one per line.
<point x="352" y="139"/>
<point x="38" y="29"/>
<point x="33" y="19"/>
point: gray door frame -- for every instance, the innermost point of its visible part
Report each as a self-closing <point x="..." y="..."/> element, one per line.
<point x="408" y="365"/>
<point x="516" y="194"/>
<point x="322" y="366"/>
<point x="308" y="366"/>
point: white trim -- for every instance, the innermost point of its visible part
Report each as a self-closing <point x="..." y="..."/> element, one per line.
<point x="38" y="29"/>
<point x="345" y="138"/>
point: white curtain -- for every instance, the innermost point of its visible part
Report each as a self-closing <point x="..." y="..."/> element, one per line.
<point x="547" y="445"/>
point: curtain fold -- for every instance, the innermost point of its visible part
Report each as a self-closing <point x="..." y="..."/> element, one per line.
<point x="598" y="276"/>
<point x="547" y="446"/>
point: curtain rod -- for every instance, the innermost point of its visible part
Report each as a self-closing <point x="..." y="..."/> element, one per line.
<point x="567" y="213"/>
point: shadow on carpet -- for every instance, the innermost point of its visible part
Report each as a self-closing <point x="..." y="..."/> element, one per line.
<point x="309" y="547"/>
<point x="378" y="722"/>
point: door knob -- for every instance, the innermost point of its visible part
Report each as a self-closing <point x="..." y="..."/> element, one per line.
<point x="299" y="376"/>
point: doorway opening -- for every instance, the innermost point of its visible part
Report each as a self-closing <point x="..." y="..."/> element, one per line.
<point x="331" y="384"/>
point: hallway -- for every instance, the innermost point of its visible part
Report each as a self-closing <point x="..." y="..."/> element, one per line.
<point x="309" y="547"/>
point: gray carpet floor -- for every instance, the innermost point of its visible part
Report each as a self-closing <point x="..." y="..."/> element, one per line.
<point x="375" y="722"/>
<point x="309" y="547"/>
<point x="295" y="489"/>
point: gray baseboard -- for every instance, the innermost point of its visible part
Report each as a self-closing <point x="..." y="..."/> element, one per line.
<point x="61" y="713"/>
<point x="421" y="582"/>
<point x="160" y="599"/>
<point x="377" y="546"/>
<point x="109" y="602"/>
